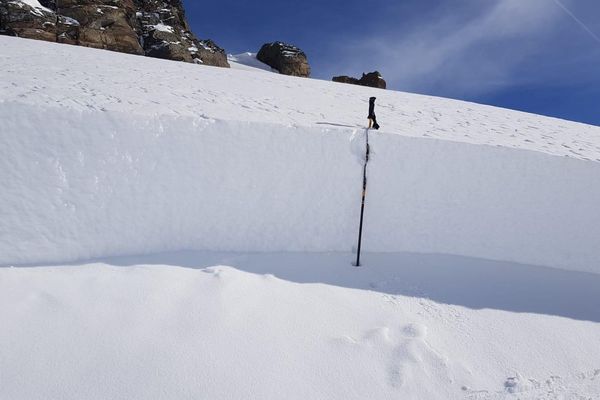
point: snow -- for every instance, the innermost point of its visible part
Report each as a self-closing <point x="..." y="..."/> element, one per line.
<point x="164" y="158"/>
<point x="236" y="194"/>
<point x="162" y="28"/>
<point x="113" y="330"/>
<point x="69" y="21"/>
<point x="37" y="7"/>
<point x="248" y="62"/>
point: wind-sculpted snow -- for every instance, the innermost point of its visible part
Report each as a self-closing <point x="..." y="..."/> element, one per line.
<point x="98" y="331"/>
<point x="108" y="154"/>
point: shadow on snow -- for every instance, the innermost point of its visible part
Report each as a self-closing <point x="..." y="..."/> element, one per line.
<point x="463" y="281"/>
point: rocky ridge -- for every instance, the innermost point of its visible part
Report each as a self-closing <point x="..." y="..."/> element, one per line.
<point x="154" y="28"/>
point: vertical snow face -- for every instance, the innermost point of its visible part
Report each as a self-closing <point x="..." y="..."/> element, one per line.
<point x="436" y="196"/>
<point x="78" y="185"/>
<point x="89" y="184"/>
<point x="102" y="156"/>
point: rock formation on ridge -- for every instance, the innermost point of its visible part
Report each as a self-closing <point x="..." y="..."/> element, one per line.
<point x="156" y="28"/>
<point x="371" y="79"/>
<point x="285" y="58"/>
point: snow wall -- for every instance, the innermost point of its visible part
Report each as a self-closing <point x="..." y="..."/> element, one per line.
<point x="79" y="185"/>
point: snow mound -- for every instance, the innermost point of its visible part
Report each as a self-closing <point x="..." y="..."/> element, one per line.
<point x="120" y="155"/>
<point x="98" y="331"/>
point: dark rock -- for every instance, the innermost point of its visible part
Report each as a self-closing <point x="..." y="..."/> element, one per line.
<point x="345" y="79"/>
<point x="68" y="30"/>
<point x="103" y="24"/>
<point x="285" y="58"/>
<point x="165" y="33"/>
<point x="20" y="19"/>
<point x="372" y="79"/>
<point x="7" y="32"/>
<point x="51" y="4"/>
<point x="147" y="27"/>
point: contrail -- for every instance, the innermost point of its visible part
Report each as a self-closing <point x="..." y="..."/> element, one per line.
<point x="580" y="22"/>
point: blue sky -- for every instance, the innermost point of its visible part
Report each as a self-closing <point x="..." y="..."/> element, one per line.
<point x="540" y="56"/>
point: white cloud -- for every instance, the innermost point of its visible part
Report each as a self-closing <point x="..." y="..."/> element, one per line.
<point x="465" y="53"/>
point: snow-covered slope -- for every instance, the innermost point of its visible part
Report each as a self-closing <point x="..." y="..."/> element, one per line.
<point x="104" y="154"/>
<point x="157" y="332"/>
<point x="105" y="81"/>
<point x="108" y="154"/>
<point x="248" y="62"/>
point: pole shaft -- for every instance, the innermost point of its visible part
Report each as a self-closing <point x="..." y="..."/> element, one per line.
<point x="362" y="203"/>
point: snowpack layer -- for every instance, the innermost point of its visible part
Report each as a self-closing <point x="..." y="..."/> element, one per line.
<point x="105" y="154"/>
<point x="104" y="331"/>
<point x="42" y="74"/>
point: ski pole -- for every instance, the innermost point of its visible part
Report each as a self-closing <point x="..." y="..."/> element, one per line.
<point x="362" y="203"/>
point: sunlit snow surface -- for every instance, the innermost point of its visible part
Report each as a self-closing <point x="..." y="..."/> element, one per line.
<point x="248" y="62"/>
<point x="104" y="154"/>
<point x="298" y="326"/>
<point x="110" y="154"/>
<point x="114" y="82"/>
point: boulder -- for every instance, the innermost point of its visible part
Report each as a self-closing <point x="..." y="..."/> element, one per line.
<point x="285" y="58"/>
<point x="371" y="79"/>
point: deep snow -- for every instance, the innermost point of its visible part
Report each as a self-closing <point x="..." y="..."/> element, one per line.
<point x="120" y="329"/>
<point x="104" y="154"/>
<point x="127" y="156"/>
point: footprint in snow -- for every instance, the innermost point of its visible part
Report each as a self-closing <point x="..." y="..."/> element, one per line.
<point x="583" y="385"/>
<point x="414" y="362"/>
<point x="409" y="361"/>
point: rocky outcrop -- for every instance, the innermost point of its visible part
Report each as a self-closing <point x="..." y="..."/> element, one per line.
<point x="285" y="58"/>
<point x="371" y="79"/>
<point x="165" y="33"/>
<point x="154" y="28"/>
<point x="20" y="19"/>
<point x="104" y="24"/>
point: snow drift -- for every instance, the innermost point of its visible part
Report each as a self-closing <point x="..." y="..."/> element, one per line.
<point x="98" y="331"/>
<point x="110" y="158"/>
